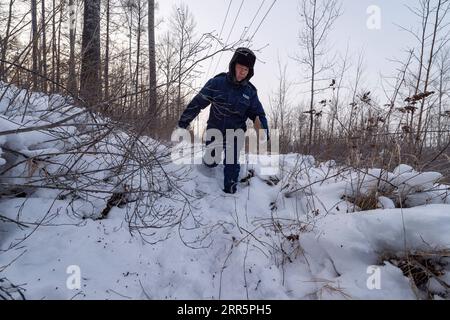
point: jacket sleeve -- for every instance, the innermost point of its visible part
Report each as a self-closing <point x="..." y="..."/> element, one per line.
<point x="256" y="110"/>
<point x="200" y="102"/>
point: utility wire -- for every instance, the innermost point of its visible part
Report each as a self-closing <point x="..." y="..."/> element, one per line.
<point x="220" y="35"/>
<point x="254" y="18"/>
<point x="229" y="35"/>
<point x="264" y="18"/>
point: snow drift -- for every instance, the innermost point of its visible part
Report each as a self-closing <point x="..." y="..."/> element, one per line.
<point x="299" y="235"/>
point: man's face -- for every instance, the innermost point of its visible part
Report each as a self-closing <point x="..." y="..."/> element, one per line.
<point x="241" y="72"/>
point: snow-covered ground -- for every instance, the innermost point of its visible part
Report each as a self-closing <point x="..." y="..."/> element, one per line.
<point x="301" y="234"/>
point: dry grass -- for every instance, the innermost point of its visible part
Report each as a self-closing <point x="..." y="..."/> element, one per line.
<point x="364" y="202"/>
<point x="422" y="266"/>
<point x="386" y="155"/>
<point x="330" y="288"/>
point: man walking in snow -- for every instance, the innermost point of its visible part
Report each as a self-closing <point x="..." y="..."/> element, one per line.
<point x="233" y="100"/>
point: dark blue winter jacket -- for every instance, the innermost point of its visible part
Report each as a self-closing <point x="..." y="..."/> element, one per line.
<point x="231" y="105"/>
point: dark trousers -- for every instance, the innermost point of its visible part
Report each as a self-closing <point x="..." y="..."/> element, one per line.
<point x="231" y="163"/>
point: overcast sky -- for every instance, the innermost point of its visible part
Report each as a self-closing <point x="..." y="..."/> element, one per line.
<point x="280" y="31"/>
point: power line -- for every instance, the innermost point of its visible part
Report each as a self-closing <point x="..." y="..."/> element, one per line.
<point x="254" y="18"/>
<point x="234" y="22"/>
<point x="229" y="35"/>
<point x="220" y="35"/>
<point x="264" y="18"/>
<point x="226" y="17"/>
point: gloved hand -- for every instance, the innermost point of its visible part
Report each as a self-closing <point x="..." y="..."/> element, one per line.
<point x="188" y="128"/>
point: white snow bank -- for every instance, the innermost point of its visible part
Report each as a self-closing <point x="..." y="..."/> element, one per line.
<point x="286" y="236"/>
<point x="240" y="256"/>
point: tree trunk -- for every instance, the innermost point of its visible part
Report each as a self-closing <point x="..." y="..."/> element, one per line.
<point x="313" y="73"/>
<point x="425" y="18"/>
<point x="152" y="59"/>
<point x="130" y="60"/>
<point x="441" y="94"/>
<point x="430" y="61"/>
<point x="90" y="87"/>
<point x="106" y="75"/>
<point x="72" y="80"/>
<point x="4" y="45"/>
<point x="34" y="37"/>
<point x="58" y="55"/>
<point x="44" y="48"/>
<point x="53" y="46"/>
<point x="138" y="54"/>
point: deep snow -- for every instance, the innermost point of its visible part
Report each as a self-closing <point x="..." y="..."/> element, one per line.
<point x="299" y="238"/>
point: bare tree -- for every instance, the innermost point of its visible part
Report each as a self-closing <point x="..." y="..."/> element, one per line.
<point x="317" y="17"/>
<point x="54" y="47"/>
<point x="441" y="11"/>
<point x="280" y="107"/>
<point x="424" y="14"/>
<point x="336" y="86"/>
<point x="355" y="89"/>
<point x="400" y="80"/>
<point x="58" y="45"/>
<point x="140" y="11"/>
<point x="90" y="88"/>
<point x="134" y="15"/>
<point x="5" y="41"/>
<point x="443" y="88"/>
<point x="183" y="25"/>
<point x="167" y="64"/>
<point x="72" y="79"/>
<point x="34" y="39"/>
<point x="43" y="48"/>
<point x="152" y="58"/>
<point x="106" y="60"/>
<point x="432" y="14"/>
